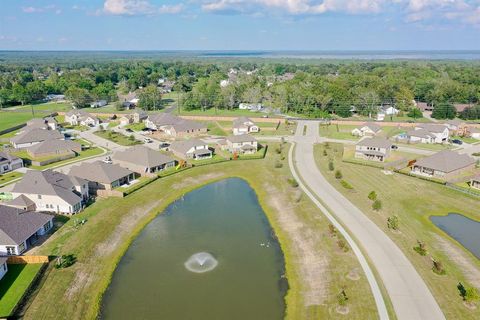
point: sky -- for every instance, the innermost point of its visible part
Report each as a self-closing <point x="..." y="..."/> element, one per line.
<point x="239" y="25"/>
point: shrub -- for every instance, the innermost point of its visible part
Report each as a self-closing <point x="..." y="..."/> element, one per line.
<point x="342" y="244"/>
<point x="65" y="261"/>
<point x="393" y="223"/>
<point x="377" y="205"/>
<point x="372" y="196"/>
<point x="421" y="248"/>
<point x="346" y="185"/>
<point x="131" y="138"/>
<point x="438" y="267"/>
<point x="342" y="298"/>
<point x="292" y="182"/>
<point x="278" y="150"/>
<point x="338" y="174"/>
<point x="332" y="230"/>
<point x="331" y="166"/>
<point x="278" y="164"/>
<point x="327" y="145"/>
<point x="325" y="153"/>
<point x="471" y="295"/>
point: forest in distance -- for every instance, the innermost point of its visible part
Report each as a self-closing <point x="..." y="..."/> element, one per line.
<point x="321" y="88"/>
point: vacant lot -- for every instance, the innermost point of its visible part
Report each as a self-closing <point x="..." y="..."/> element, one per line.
<point x="316" y="267"/>
<point x="117" y="138"/>
<point x="14" y="284"/>
<point x="413" y="200"/>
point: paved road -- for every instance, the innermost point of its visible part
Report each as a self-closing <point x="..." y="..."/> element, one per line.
<point x="409" y="294"/>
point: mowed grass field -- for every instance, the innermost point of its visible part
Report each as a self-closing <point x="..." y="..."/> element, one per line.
<point x="10" y="117"/>
<point x="316" y="267"/>
<point x="14" y="284"/>
<point x="414" y="200"/>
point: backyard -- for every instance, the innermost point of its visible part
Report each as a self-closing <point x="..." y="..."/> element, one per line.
<point x="318" y="265"/>
<point x="117" y="137"/>
<point x="413" y="201"/>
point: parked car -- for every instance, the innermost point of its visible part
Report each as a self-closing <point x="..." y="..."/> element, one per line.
<point x="129" y="130"/>
<point x="147" y="140"/>
<point x="108" y="160"/>
<point x="457" y="141"/>
<point x="164" y="145"/>
<point x="394" y="147"/>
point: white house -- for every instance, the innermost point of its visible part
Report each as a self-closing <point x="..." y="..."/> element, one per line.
<point x="80" y="117"/>
<point x="53" y="191"/>
<point x="19" y="230"/>
<point x="373" y="149"/>
<point x="250" y="106"/>
<point x="439" y="131"/>
<point x="420" y="136"/>
<point x="98" y="104"/>
<point x="391" y="111"/>
<point x="3" y="267"/>
<point x="241" y="144"/>
<point x="244" y="125"/>
<point x="474" y="132"/>
<point x="367" y="129"/>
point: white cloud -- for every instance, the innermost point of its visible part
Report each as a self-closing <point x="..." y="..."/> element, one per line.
<point x="48" y="8"/>
<point x="138" y="7"/>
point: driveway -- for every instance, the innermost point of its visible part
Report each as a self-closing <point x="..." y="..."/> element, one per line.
<point x="409" y="294"/>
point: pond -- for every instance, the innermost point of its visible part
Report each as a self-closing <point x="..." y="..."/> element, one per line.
<point x="463" y="229"/>
<point x="211" y="255"/>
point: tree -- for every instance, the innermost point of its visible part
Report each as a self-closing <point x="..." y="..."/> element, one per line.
<point x="338" y="174"/>
<point x="372" y="195"/>
<point x="404" y="98"/>
<point x="377" y="205"/>
<point x="444" y="111"/>
<point x="393" y="222"/>
<point x="20" y="94"/>
<point x="331" y="166"/>
<point x="415" y="113"/>
<point x="342" y="298"/>
<point x="78" y="96"/>
<point x="150" y="98"/>
<point x="369" y="101"/>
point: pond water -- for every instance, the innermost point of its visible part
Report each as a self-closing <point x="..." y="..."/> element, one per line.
<point x="463" y="229"/>
<point x="210" y="255"/>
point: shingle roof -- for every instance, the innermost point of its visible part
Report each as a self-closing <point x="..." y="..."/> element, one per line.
<point x="179" y="124"/>
<point x="421" y="133"/>
<point x="99" y="171"/>
<point x="36" y="135"/>
<point x="436" y="128"/>
<point x="375" y="142"/>
<point x="240" y="122"/>
<point x="20" y="201"/>
<point x="54" y="146"/>
<point x="143" y="156"/>
<point x="50" y="183"/>
<point x="372" y="126"/>
<point x="241" y="138"/>
<point x="5" y="156"/>
<point x="446" y="161"/>
<point x="185" y="145"/>
<point x="17" y="225"/>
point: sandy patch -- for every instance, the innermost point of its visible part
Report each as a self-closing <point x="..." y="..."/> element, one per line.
<point x="198" y="180"/>
<point x="470" y="270"/>
<point x="312" y="263"/>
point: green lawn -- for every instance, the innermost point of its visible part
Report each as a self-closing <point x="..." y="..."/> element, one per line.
<point x="11" y="119"/>
<point x="14" y="284"/>
<point x="220" y="112"/>
<point x="413" y="200"/>
<point x="136" y="126"/>
<point x="215" y="129"/>
<point x="343" y="132"/>
<point x="465" y="139"/>
<point x="113" y="223"/>
<point x="427" y="146"/>
<point x="7" y="177"/>
<point x="283" y="130"/>
<point x="117" y="138"/>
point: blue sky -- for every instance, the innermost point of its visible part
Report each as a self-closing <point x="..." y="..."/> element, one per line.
<point x="239" y="24"/>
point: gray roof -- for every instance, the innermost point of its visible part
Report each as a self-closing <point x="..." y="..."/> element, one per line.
<point x="51" y="120"/>
<point x="54" y="146"/>
<point x="240" y="122"/>
<point x="36" y="135"/>
<point x="99" y="171"/>
<point x="372" y="126"/>
<point x="17" y="225"/>
<point x="185" y="145"/>
<point x="476" y="178"/>
<point x="446" y="161"/>
<point x="241" y="138"/>
<point x="50" y="182"/>
<point x="375" y="142"/>
<point x="36" y="123"/>
<point x="179" y="124"/>
<point x="20" y="201"/>
<point x="436" y="128"/>
<point x="421" y="133"/>
<point x="5" y="156"/>
<point x="455" y="122"/>
<point x="81" y="114"/>
<point x="143" y="156"/>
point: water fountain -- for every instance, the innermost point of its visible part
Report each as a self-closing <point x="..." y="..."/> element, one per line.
<point x="201" y="262"/>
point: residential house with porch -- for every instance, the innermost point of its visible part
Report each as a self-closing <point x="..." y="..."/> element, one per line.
<point x="53" y="191"/>
<point x="367" y="130"/>
<point x="139" y="116"/>
<point x="102" y="176"/>
<point x="9" y="162"/>
<point x="191" y="149"/>
<point x="80" y="117"/>
<point x="457" y="127"/>
<point x="174" y="126"/>
<point x="143" y="160"/>
<point x="429" y="133"/>
<point x="28" y="138"/>
<point x="241" y="144"/>
<point x="244" y="125"/>
<point x="443" y="165"/>
<point x="20" y="229"/>
<point x="52" y="148"/>
<point x="373" y="149"/>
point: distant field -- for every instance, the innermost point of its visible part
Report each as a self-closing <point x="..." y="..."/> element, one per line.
<point x="10" y="117"/>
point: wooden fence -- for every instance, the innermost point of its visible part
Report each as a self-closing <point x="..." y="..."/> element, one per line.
<point x="27" y="259"/>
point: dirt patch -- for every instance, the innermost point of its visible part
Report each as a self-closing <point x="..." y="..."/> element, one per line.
<point x="470" y="270"/>
<point x="354" y="275"/>
<point x="81" y="280"/>
<point x="313" y="265"/>
<point x="198" y="180"/>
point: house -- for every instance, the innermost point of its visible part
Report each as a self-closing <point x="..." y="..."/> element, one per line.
<point x="443" y="165"/>
<point x="52" y="123"/>
<point x="420" y="136"/>
<point x="250" y="106"/>
<point x="36" y="123"/>
<point x="143" y="160"/>
<point x="19" y="229"/>
<point x="22" y="202"/>
<point x="475" y="182"/>
<point x="440" y="131"/>
<point x="98" y="104"/>
<point x="424" y="106"/>
<point x="128" y="105"/>
<point x="473" y="132"/>
<point x="80" y="117"/>
<point x="3" y="267"/>
<point x="102" y="176"/>
<point x="462" y="106"/>
<point x="174" y="126"/>
<point x="53" y="191"/>
<point x="126" y="119"/>
<point x="373" y="149"/>
<point x="390" y="111"/>
<point x="52" y="148"/>
<point x="191" y="149"/>
<point x="55" y="97"/>
<point x="241" y="144"/>
<point x="367" y="129"/>
<point x="31" y="137"/>
<point x="244" y="125"/>
<point x="457" y="127"/>
<point x="139" y="116"/>
<point x="9" y="163"/>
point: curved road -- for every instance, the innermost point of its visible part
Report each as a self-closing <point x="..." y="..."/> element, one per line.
<point x="409" y="294"/>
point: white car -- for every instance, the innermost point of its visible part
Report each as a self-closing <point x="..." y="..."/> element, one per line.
<point x="147" y="140"/>
<point x="108" y="160"/>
